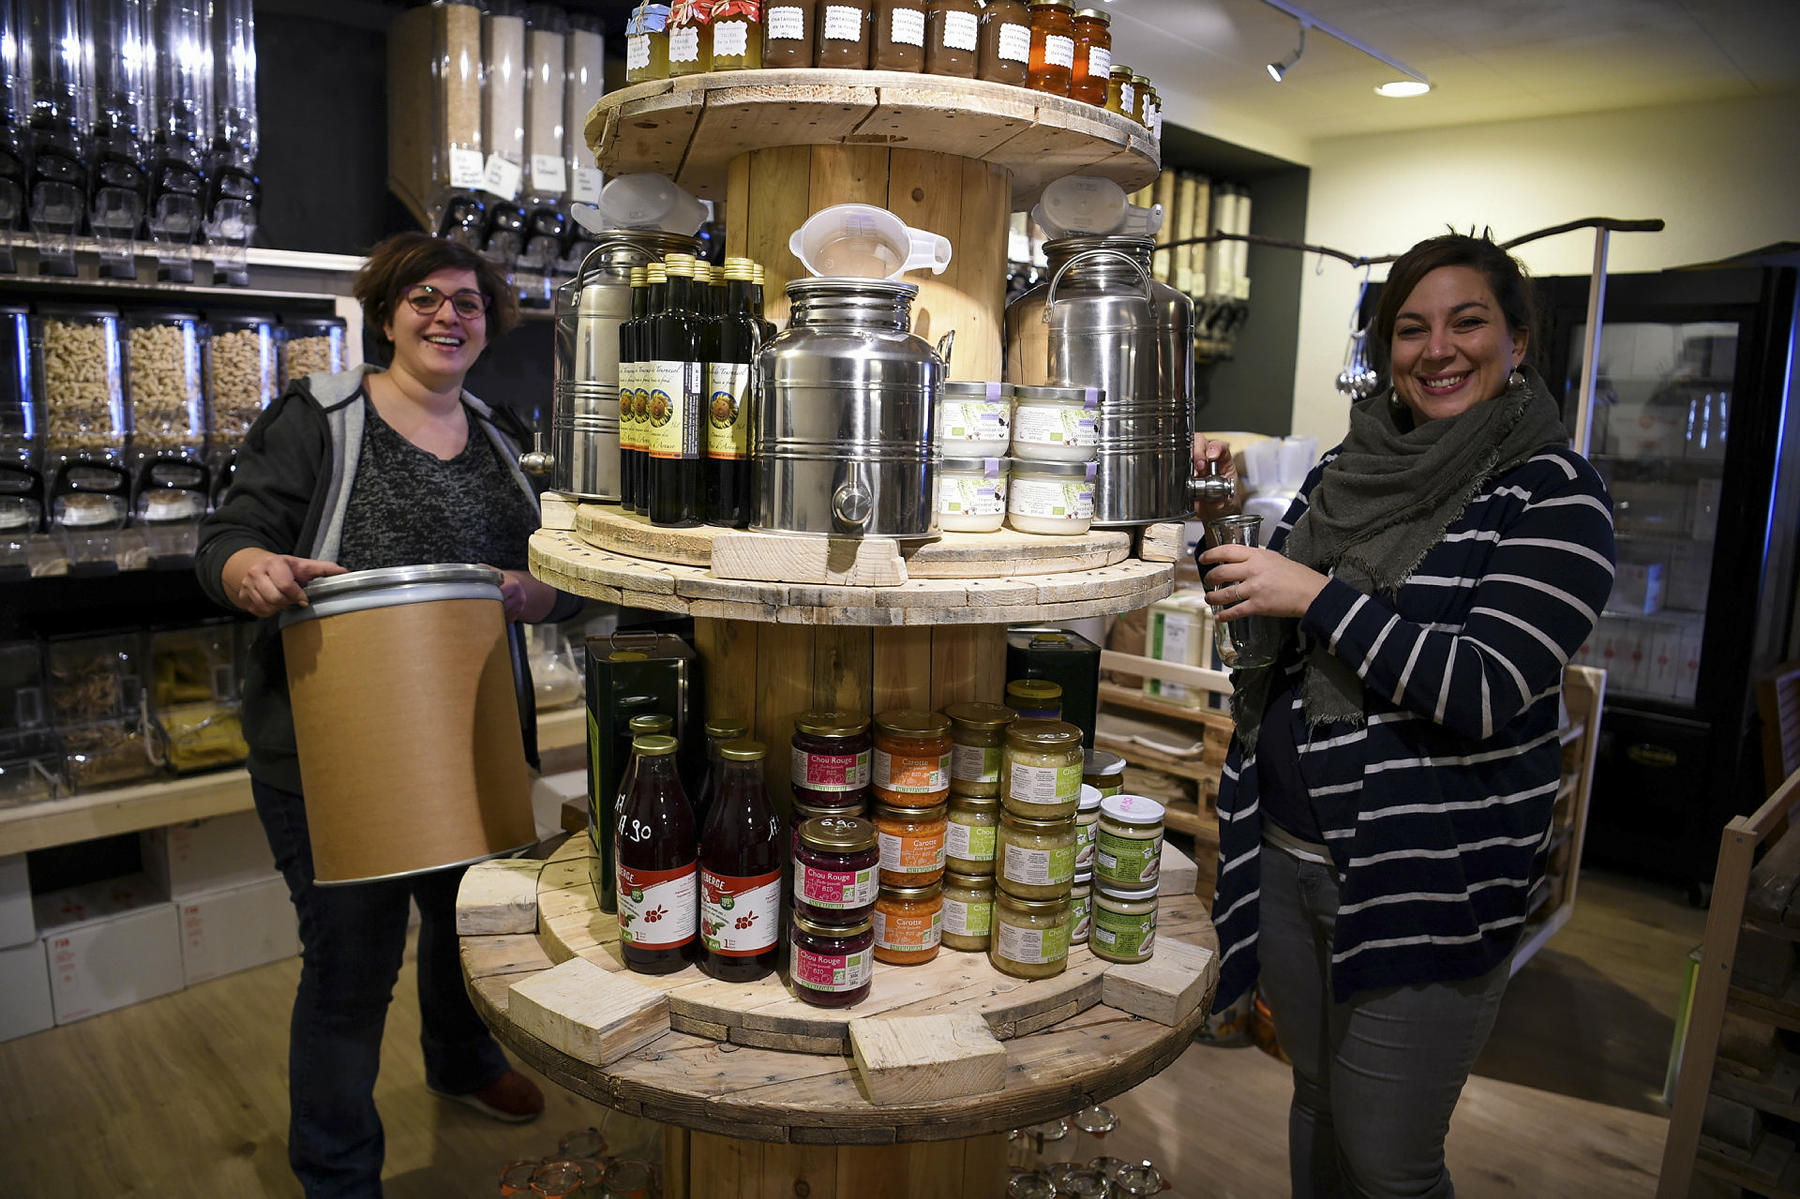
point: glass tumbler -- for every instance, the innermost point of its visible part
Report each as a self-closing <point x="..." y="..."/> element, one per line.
<point x="1247" y="641"/>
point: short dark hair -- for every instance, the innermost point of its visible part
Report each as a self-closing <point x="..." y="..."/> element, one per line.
<point x="406" y="258"/>
<point x="1505" y="276"/>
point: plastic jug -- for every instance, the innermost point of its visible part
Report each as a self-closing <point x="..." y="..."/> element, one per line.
<point x="861" y="241"/>
<point x="1078" y="205"/>
<point x="643" y="201"/>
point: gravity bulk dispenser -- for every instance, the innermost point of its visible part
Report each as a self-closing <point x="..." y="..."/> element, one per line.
<point x="80" y="378"/>
<point x="546" y="177"/>
<point x="124" y="119"/>
<point x="21" y="433"/>
<point x="15" y="117"/>
<point x="183" y="134"/>
<point x="435" y="152"/>
<point x="61" y="125"/>
<point x="584" y="61"/>
<point x="233" y="189"/>
<point x="503" y="69"/>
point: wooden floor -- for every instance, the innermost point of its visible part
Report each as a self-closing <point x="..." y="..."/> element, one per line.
<point x="186" y="1095"/>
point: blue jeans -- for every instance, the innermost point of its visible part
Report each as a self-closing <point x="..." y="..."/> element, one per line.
<point x="352" y="939"/>
<point x="1375" y="1078"/>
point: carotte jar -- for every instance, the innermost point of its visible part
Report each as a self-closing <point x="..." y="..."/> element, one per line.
<point x="843" y="40"/>
<point x="835" y="866"/>
<point x="1093" y="56"/>
<point x="831" y="966"/>
<point x="1081" y="907"/>
<point x="1055" y="424"/>
<point x="1052" y="46"/>
<point x="1035" y="859"/>
<point x="911" y="763"/>
<point x="831" y="751"/>
<point x="1005" y="41"/>
<point x="897" y="35"/>
<point x="977" y="743"/>
<point x="789" y="33"/>
<point x="909" y="924"/>
<point x="1103" y="770"/>
<point x="953" y="38"/>
<point x="1040" y="775"/>
<point x="1124" y="926"/>
<point x="968" y="910"/>
<point x="974" y="420"/>
<point x="1035" y="699"/>
<point x="1128" y="849"/>
<point x="972" y="494"/>
<point x="1030" y="936"/>
<point x="1087" y="826"/>
<point x="1052" y="498"/>
<point x="912" y="844"/>
<point x="970" y="838"/>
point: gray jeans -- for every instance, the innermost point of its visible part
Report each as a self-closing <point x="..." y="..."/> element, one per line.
<point x="1376" y="1078"/>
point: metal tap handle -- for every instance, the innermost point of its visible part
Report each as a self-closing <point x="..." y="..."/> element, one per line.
<point x="1128" y="260"/>
<point x="537" y="461"/>
<point x="1212" y="487"/>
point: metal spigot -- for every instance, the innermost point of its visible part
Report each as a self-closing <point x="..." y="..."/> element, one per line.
<point x="536" y="461"/>
<point x="1212" y="487"/>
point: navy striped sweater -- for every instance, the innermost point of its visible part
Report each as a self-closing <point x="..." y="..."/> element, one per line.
<point x="1437" y="809"/>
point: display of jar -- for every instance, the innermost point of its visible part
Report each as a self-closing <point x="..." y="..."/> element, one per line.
<point x="1121" y="96"/>
<point x="835" y="864"/>
<point x="647" y="42"/>
<point x="690" y="39"/>
<point x="843" y="41"/>
<point x="1040" y="775"/>
<point x="240" y="374"/>
<point x="977" y="743"/>
<point x="831" y="965"/>
<point x="1140" y="94"/>
<point x="1093" y="56"/>
<point x="968" y="910"/>
<point x="1087" y="826"/>
<point x="831" y="751"/>
<point x="1005" y="41"/>
<point x="311" y="345"/>
<point x="909" y="924"/>
<point x="912" y="842"/>
<point x="1052" y="498"/>
<point x="1052" y="46"/>
<point x="1124" y="924"/>
<point x="1128" y="847"/>
<point x="1035" y="699"/>
<point x="953" y="38"/>
<point x="971" y="837"/>
<point x="972" y="494"/>
<point x="22" y="465"/>
<point x="82" y="381"/>
<point x="911" y="763"/>
<point x="1103" y="770"/>
<point x="789" y="32"/>
<point x="974" y="420"/>
<point x="737" y="35"/>
<point x="168" y="406"/>
<point x="1035" y="859"/>
<point x="1055" y="424"/>
<point x="1081" y="907"/>
<point x="1030" y="936"/>
<point x="897" y="35"/>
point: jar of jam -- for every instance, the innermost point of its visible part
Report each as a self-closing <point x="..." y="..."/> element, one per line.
<point x="977" y="739"/>
<point x="831" y="965"/>
<point x="970" y="839"/>
<point x="912" y="844"/>
<point x="1005" y="55"/>
<point x="788" y="32"/>
<point x="1031" y="936"/>
<point x="843" y="40"/>
<point x="1040" y="776"/>
<point x="953" y="38"/>
<point x="1140" y="93"/>
<point x="1121" y="96"/>
<point x="911" y="765"/>
<point x="1087" y="826"/>
<point x="1128" y="844"/>
<point x="835" y="865"/>
<point x="1103" y="770"/>
<point x="1035" y="859"/>
<point x="1035" y="699"/>
<point x="909" y="924"/>
<point x="968" y="910"/>
<point x="831" y="758"/>
<point x="1093" y="56"/>
<point x="1081" y="907"/>
<point x="804" y="812"/>
<point x="1124" y="927"/>
<point x="737" y="35"/>
<point x="1153" y="110"/>
<point x="1052" y="65"/>
<point x="897" y="35"/>
<point x="690" y="41"/>
<point x="647" y="43"/>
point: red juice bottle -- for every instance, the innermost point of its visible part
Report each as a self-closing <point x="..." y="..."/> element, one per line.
<point x="740" y="870"/>
<point x="659" y="875"/>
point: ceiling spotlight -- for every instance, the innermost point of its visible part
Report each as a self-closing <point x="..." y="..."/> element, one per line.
<point x="1278" y="69"/>
<point x="1399" y="89"/>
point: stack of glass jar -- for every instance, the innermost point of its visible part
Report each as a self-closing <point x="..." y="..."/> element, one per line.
<point x="1022" y="454"/>
<point x="1034" y="857"/>
<point x="1127" y="868"/>
<point x="836" y="859"/>
<point x="977" y="746"/>
<point x="911" y="781"/>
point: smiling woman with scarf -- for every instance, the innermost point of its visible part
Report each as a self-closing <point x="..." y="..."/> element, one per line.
<point x="1385" y="808"/>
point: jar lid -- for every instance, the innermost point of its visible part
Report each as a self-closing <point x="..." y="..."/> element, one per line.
<point x="1059" y="395"/>
<point x="1148" y="891"/>
<point x="726" y="730"/>
<point x="1136" y="79"/>
<point x="912" y="722"/>
<point x="1035" y="907"/>
<point x="1053" y="4"/>
<point x="241" y="320"/>
<point x="912" y="815"/>
<point x="1085" y="876"/>
<point x="832" y="932"/>
<point x="1103" y="762"/>
<point x="987" y="468"/>
<point x="1095" y="14"/>
<point x="1058" y="470"/>
<point x="1119" y="72"/>
<point x="1131" y="809"/>
<point x="312" y="324"/>
<point x="1037" y="692"/>
<point x="1090" y="798"/>
<point x="651" y="722"/>
<point x="743" y="751"/>
<point x="653" y="745"/>
<point x="1056" y="824"/>
<point x="981" y="804"/>
<point x="926" y="891"/>
<point x="972" y="882"/>
<point x="831" y="722"/>
<point x="838" y="834"/>
<point x="77" y="312"/>
<point x="977" y="715"/>
<point x="1043" y="734"/>
<point x="996" y="392"/>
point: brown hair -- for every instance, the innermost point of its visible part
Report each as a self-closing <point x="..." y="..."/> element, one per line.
<point x="1505" y="276"/>
<point x="406" y="258"/>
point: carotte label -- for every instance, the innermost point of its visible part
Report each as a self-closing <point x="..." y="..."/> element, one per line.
<point x="912" y="775"/>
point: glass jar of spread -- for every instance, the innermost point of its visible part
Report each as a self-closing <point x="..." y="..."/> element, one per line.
<point x="968" y="910"/>
<point x="1055" y="424"/>
<point x="1040" y="775"/>
<point x="788" y="32"/>
<point x="953" y="38"/>
<point x="1005" y="41"/>
<point x="1052" y="46"/>
<point x="1081" y="907"/>
<point x="1140" y="92"/>
<point x="1035" y="699"/>
<point x="912" y="844"/>
<point x="831" y="965"/>
<point x="970" y="838"/>
<point x="1124" y="927"/>
<point x="647" y="43"/>
<point x="1030" y="936"/>
<point x="1103" y="770"/>
<point x="1087" y="826"/>
<point x="690" y="39"/>
<point x="977" y="742"/>
<point x="831" y="758"/>
<point x="1035" y="859"/>
<point x="897" y="35"/>
<point x="974" y="420"/>
<point x="1128" y="847"/>
<point x="1093" y="56"/>
<point x="972" y="494"/>
<point x="1055" y="499"/>
<point x="911" y="764"/>
<point x="843" y="40"/>
<point x="909" y="924"/>
<point x="1121" y="97"/>
<point x="737" y="35"/>
<point x="835" y="865"/>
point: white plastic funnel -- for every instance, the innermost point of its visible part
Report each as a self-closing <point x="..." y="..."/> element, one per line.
<point x="649" y="201"/>
<point x="1088" y="204"/>
<point x="861" y="241"/>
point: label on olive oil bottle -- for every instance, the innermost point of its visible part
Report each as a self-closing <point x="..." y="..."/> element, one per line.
<point x="670" y="424"/>
<point x="727" y="413"/>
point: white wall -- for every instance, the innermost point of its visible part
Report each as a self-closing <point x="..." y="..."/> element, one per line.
<point x="1725" y="176"/>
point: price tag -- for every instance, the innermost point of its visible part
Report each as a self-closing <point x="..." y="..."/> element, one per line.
<point x="501" y="178"/>
<point x="466" y="169"/>
<point x="548" y="174"/>
<point x="588" y="181"/>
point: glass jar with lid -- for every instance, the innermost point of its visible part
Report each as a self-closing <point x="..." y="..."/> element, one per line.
<point x="737" y="35"/>
<point x="168" y="407"/>
<point x="1128" y="844"/>
<point x="968" y="910"/>
<point x="953" y="38"/>
<point x="971" y="835"/>
<point x="1153" y="112"/>
<point x="1093" y="56"/>
<point x="647" y="42"/>
<point x="1052" y="46"/>
<point x="1055" y="424"/>
<point x="972" y="494"/>
<point x="311" y="345"/>
<point x="1087" y="826"/>
<point x="1124" y="926"/>
<point x="1030" y="936"/>
<point x="897" y="35"/>
<point x="1035" y="859"/>
<point x="843" y="41"/>
<point x="977" y="742"/>
<point x="789" y="32"/>
<point x="831" y="751"/>
<point x="909" y="924"/>
<point x="1035" y="699"/>
<point x="835" y="866"/>
<point x="1103" y="770"/>
<point x="974" y="420"/>
<point x="804" y="812"/>
<point x="690" y="38"/>
<point x="912" y="842"/>
<point x="240" y="373"/>
<point x="1005" y="41"/>
<point x="81" y="376"/>
<point x="1052" y="499"/>
<point x="830" y="965"/>
<point x="911" y="761"/>
<point x="1140" y="91"/>
<point x="1040" y="776"/>
<point x="1121" y="96"/>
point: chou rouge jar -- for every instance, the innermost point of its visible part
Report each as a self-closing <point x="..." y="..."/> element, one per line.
<point x="831" y="965"/>
<point x="836" y="861"/>
<point x="831" y="758"/>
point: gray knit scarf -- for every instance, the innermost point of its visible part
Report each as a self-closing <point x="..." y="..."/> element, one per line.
<point x="1381" y="506"/>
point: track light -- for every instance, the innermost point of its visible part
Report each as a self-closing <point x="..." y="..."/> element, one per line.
<point x="1278" y="69"/>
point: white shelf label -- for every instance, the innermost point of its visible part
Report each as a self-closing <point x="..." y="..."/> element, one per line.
<point x="501" y="178"/>
<point x="588" y="181"/>
<point x="548" y="173"/>
<point x="467" y="169"/>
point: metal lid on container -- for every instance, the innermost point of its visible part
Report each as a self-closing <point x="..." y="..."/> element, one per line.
<point x="1097" y="14"/>
<point x="829" y="285"/>
<point x="962" y="390"/>
<point x="1041" y="691"/>
<point x="77" y="311"/>
<point x="831" y="722"/>
<point x="651" y="722"/>
<point x="969" y="882"/>
<point x="838" y="834"/>
<point x="139" y="317"/>
<point x="912" y="722"/>
<point x="1060" y="470"/>
<point x="1043" y="734"/>
<point x="829" y="932"/>
<point x="977" y="715"/>
<point x="1103" y="762"/>
<point x="726" y="730"/>
<point x="923" y="891"/>
<point x="312" y="324"/>
<point x="1087" y="397"/>
<point x="653" y="745"/>
<point x="990" y="468"/>
<point x="743" y="750"/>
<point x="394" y="585"/>
<point x="242" y="320"/>
<point x="1090" y="798"/>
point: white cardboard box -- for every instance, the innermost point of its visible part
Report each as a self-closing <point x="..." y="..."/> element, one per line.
<point x="1179" y="629"/>
<point x="226" y="851"/>
<point x="17" y="924"/>
<point x="235" y="928"/>
<point x="24" y="991"/>
<point x="109" y="945"/>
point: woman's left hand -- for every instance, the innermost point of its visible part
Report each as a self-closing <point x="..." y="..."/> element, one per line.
<point x="525" y="597"/>
<point x="1244" y="581"/>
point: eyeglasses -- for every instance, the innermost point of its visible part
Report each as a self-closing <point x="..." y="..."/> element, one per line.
<point x="426" y="300"/>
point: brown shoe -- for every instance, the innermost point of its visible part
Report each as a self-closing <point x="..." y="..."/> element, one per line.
<point x="512" y="1099"/>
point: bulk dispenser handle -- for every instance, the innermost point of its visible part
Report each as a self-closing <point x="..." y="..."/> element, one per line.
<point x="537" y="461"/>
<point x="1212" y="487"/>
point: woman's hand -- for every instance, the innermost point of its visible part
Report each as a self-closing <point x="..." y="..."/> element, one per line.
<point x="525" y="597"/>
<point x="1246" y="581"/>
<point x="1204" y="452"/>
<point x="264" y="583"/>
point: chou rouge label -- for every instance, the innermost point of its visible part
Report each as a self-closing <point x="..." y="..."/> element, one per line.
<point x="831" y="971"/>
<point x="740" y="916"/>
<point x="836" y="889"/>
<point x="831" y="772"/>
<point x="658" y="908"/>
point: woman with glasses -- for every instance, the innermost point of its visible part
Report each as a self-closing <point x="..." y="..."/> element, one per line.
<point x="361" y="470"/>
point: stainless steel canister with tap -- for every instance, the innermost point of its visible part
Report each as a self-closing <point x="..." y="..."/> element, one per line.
<point x="842" y="415"/>
<point x="1101" y="321"/>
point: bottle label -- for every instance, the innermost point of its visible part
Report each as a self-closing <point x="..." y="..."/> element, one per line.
<point x="740" y="917"/>
<point x="1054" y="424"/>
<point x="968" y="919"/>
<point x="970" y="495"/>
<point x="669" y="421"/>
<point x="658" y="909"/>
<point x="1080" y="918"/>
<point x="908" y="932"/>
<point x="911" y="775"/>
<point x="731" y="39"/>
<point x="684" y="43"/>
<point x="1099" y="62"/>
<point x="969" y="842"/>
<point x="1059" y="51"/>
<point x="831" y="772"/>
<point x="975" y="763"/>
<point x="839" y="890"/>
<point x="913" y="853"/>
<point x="831" y="971"/>
<point x="628" y="405"/>
<point x="640" y="408"/>
<point x="960" y="30"/>
<point x="1045" y="784"/>
<point x="1039" y="867"/>
<point x="1129" y="860"/>
<point x="1073" y="500"/>
<point x="1125" y="936"/>
<point x="637" y="52"/>
<point x="908" y="27"/>
<point x="1015" y="43"/>
<point x="1033" y="946"/>
<point x="727" y="415"/>
<point x="786" y="24"/>
<point x="972" y="420"/>
<point x="843" y="23"/>
<point x="501" y="177"/>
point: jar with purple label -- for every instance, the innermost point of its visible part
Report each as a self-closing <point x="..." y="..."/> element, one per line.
<point x="836" y="869"/>
<point x="1055" y="424"/>
<point x="830" y="965"/>
<point x="831" y="758"/>
<point x="972" y="494"/>
<point x="974" y="420"/>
